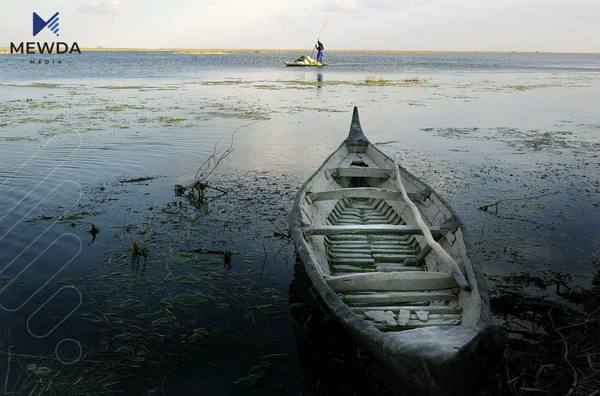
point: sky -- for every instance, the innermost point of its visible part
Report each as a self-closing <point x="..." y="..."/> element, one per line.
<point x="442" y="25"/>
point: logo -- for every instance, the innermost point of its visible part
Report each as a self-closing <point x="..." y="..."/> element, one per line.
<point x="39" y="24"/>
<point x="50" y="48"/>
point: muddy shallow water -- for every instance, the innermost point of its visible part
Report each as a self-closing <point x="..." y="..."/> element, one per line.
<point x="79" y="313"/>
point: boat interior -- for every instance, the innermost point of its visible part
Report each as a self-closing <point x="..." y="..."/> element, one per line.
<point x="364" y="240"/>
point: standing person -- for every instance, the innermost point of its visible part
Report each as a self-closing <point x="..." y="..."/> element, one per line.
<point x="319" y="47"/>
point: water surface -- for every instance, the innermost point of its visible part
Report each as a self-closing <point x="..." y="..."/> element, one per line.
<point x="478" y="128"/>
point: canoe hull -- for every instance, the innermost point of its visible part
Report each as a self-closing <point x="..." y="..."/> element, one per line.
<point x="431" y="360"/>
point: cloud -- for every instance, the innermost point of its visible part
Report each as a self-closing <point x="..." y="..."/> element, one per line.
<point x="365" y="5"/>
<point x="101" y="7"/>
<point x="341" y="5"/>
<point x="389" y="4"/>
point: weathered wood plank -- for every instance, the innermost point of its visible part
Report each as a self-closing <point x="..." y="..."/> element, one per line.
<point x="355" y="262"/>
<point x="350" y="268"/>
<point x="379" y="173"/>
<point x="432" y="309"/>
<point x="366" y="229"/>
<point x="357" y="192"/>
<point x="412" y="324"/>
<point x="387" y="298"/>
<point x="350" y="255"/>
<point x="383" y="268"/>
<point x="349" y="249"/>
<point x="348" y="237"/>
<point x="350" y="245"/>
<point x="393" y="257"/>
<point x="390" y="238"/>
<point x="392" y="267"/>
<point x="393" y="250"/>
<point x="392" y="281"/>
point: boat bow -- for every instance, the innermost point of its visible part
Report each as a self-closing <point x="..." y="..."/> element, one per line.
<point x="356" y="137"/>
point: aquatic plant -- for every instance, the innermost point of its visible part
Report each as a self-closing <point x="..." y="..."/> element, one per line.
<point x="371" y="80"/>
<point x="255" y="374"/>
<point x="553" y="343"/>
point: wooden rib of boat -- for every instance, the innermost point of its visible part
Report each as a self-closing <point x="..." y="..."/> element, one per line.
<point x="387" y="257"/>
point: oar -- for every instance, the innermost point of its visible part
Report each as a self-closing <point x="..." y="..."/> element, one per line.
<point x="443" y="255"/>
<point x="319" y="36"/>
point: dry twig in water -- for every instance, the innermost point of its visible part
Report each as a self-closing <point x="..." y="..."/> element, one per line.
<point x="495" y="204"/>
<point x="196" y="191"/>
<point x="565" y="353"/>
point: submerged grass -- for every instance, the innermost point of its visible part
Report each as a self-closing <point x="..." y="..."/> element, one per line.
<point x="256" y="373"/>
<point x="144" y="318"/>
<point x="17" y="138"/>
<point x="381" y="82"/>
<point x="554" y="341"/>
<point x="71" y="218"/>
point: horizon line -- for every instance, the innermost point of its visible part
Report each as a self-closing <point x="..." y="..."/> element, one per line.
<point x="200" y="51"/>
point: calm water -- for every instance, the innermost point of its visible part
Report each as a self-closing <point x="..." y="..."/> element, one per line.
<point x="478" y="128"/>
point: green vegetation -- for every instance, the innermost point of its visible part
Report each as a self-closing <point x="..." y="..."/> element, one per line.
<point x="71" y="218"/>
<point x="17" y="139"/>
<point x="256" y="373"/>
<point x="170" y="121"/>
<point x="371" y="80"/>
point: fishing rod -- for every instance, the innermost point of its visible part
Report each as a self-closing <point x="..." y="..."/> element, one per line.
<point x="319" y="36"/>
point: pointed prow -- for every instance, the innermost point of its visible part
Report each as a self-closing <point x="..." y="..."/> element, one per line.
<point x="356" y="137"/>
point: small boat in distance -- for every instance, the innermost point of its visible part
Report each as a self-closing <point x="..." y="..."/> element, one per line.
<point x="388" y="258"/>
<point x="304" y="61"/>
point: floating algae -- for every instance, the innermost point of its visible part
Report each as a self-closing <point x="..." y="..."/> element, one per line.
<point x="191" y="300"/>
<point x="233" y="81"/>
<point x="46" y="105"/>
<point x="255" y="375"/>
<point x="123" y="87"/>
<point x="452" y="132"/>
<point x="271" y="309"/>
<point x="73" y="218"/>
<point x="188" y="280"/>
<point x="17" y="138"/>
<point x="198" y="336"/>
<point x="380" y="82"/>
<point x="170" y="121"/>
<point x="239" y="111"/>
<point x="37" y="85"/>
<point x="114" y="108"/>
<point x="137" y="179"/>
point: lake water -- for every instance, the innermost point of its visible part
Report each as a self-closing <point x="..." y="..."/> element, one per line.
<point x="79" y="313"/>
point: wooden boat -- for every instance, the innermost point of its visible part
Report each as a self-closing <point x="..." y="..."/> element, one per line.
<point x="296" y="64"/>
<point x="388" y="258"/>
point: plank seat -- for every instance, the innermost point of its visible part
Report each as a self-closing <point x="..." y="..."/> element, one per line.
<point x="395" y="267"/>
<point x="413" y="324"/>
<point x="392" y="281"/>
<point x="358" y="192"/>
<point x="432" y="309"/>
<point x="392" y="257"/>
<point x="354" y="260"/>
<point x="350" y="255"/>
<point x="365" y="229"/>
<point x="387" y="298"/>
<point x="351" y="268"/>
<point x="356" y="171"/>
<point x="392" y="250"/>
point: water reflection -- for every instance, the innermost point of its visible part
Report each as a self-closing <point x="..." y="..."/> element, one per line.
<point x="332" y="363"/>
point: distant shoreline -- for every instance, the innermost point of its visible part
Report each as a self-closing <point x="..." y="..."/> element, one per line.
<point x="224" y="51"/>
